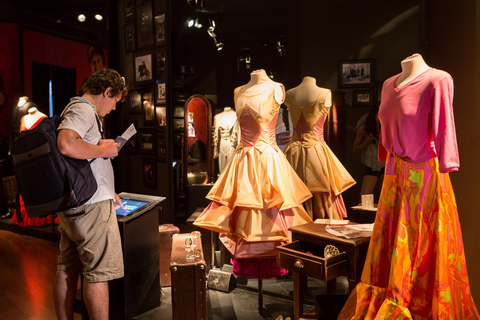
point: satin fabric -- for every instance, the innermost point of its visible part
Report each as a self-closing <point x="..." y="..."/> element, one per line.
<point x="258" y="196"/>
<point x="314" y="161"/>
<point x="415" y="266"/>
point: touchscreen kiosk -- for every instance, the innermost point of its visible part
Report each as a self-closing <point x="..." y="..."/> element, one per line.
<point x="135" y="205"/>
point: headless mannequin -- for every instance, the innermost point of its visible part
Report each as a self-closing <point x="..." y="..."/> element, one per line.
<point x="225" y="136"/>
<point x="257" y="78"/>
<point x="306" y="93"/>
<point x="31" y="118"/>
<point x="412" y="66"/>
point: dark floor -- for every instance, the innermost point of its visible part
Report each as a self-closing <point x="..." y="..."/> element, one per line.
<point x="20" y="248"/>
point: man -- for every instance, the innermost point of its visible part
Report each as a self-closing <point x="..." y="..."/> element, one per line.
<point x="90" y="239"/>
<point x="96" y="58"/>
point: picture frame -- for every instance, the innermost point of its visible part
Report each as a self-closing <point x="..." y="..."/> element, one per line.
<point x="130" y="37"/>
<point x="129" y="9"/>
<point x="160" y="30"/>
<point x="364" y="97"/>
<point x="161" y="149"/>
<point x="160" y="61"/>
<point x="356" y="73"/>
<point x="161" y="115"/>
<point x="144" y="25"/>
<point x="147" y="141"/>
<point x="150" y="172"/>
<point x="135" y="101"/>
<point x="161" y="97"/>
<point x="148" y="107"/>
<point x="143" y="68"/>
<point x="179" y="112"/>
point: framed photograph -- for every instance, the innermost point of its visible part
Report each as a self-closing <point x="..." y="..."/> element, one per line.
<point x="178" y="112"/>
<point x="148" y="107"/>
<point x="364" y="97"/>
<point x="190" y="116"/>
<point x="161" y="92"/>
<point x="160" y="30"/>
<point x="191" y="130"/>
<point x="135" y="99"/>
<point x="144" y="25"/>
<point x="161" y="149"/>
<point x="131" y="146"/>
<point x="130" y="37"/>
<point x="147" y="141"/>
<point x="143" y="67"/>
<point x="161" y="113"/>
<point x="178" y="124"/>
<point x="356" y="73"/>
<point x="150" y="172"/>
<point x="160" y="60"/>
<point x="129" y="9"/>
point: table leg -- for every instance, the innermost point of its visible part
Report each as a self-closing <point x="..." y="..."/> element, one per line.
<point x="299" y="284"/>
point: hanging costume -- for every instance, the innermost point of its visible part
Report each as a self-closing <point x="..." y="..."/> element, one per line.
<point x="415" y="266"/>
<point x="315" y="162"/>
<point x="258" y="196"/>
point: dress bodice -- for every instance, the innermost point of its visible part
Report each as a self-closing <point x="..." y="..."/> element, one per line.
<point x="257" y="113"/>
<point x="308" y="122"/>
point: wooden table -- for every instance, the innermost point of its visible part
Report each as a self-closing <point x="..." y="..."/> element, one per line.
<point x="356" y="250"/>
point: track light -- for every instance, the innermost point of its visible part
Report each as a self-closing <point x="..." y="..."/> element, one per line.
<point x="98" y="17"/>
<point x="81" y="17"/>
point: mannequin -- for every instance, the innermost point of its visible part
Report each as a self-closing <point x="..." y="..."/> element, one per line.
<point x="31" y="119"/>
<point x="415" y="266"/>
<point x="20" y="110"/>
<point x="258" y="196"/>
<point x="412" y="66"/>
<point x="225" y="137"/>
<point x="310" y="156"/>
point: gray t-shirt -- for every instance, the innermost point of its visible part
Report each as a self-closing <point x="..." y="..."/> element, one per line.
<point x="81" y="117"/>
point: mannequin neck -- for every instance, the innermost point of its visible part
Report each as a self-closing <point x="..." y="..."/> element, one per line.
<point x="309" y="81"/>
<point x="32" y="111"/>
<point x="227" y="109"/>
<point x="412" y="66"/>
<point x="259" y="76"/>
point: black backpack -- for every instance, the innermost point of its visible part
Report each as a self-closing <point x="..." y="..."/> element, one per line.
<point x="48" y="181"/>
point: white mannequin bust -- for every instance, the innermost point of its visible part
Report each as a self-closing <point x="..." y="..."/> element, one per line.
<point x="306" y="93"/>
<point x="259" y="77"/>
<point x="412" y="66"/>
<point x="32" y="117"/>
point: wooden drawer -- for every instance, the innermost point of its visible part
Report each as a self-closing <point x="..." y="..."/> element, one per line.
<point x="307" y="259"/>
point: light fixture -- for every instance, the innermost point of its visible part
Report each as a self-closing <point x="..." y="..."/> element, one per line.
<point x="22" y="101"/>
<point x="198" y="25"/>
<point x="81" y="17"/>
<point x="211" y="32"/>
<point x="190" y="23"/>
<point x="280" y="48"/>
<point x="219" y="45"/>
<point x="98" y="17"/>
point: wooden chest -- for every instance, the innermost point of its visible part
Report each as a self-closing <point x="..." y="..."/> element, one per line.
<point x="188" y="271"/>
<point x="165" y="234"/>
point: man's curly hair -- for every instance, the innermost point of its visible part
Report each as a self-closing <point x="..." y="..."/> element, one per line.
<point x="98" y="82"/>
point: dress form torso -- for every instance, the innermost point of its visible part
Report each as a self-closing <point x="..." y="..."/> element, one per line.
<point x="412" y="66"/>
<point x="31" y="119"/>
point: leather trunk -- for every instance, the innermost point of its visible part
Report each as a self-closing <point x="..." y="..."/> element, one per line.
<point x="189" y="284"/>
<point x="165" y="233"/>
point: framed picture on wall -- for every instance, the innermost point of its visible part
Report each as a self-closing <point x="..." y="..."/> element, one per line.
<point x="161" y="149"/>
<point x="130" y="37"/>
<point x="356" y="73"/>
<point x="147" y="141"/>
<point x="144" y="25"/>
<point x="131" y="146"/>
<point x="150" y="172"/>
<point x="161" y="113"/>
<point x="364" y="97"/>
<point x="178" y="111"/>
<point x="161" y="92"/>
<point x="129" y="9"/>
<point x="148" y="107"/>
<point x="142" y="67"/>
<point x="160" y="30"/>
<point x="135" y="100"/>
<point x="160" y="61"/>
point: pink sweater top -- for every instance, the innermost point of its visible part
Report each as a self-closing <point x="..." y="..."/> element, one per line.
<point x="417" y="119"/>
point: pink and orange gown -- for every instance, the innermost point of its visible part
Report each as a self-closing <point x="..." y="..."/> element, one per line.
<point x="415" y="266"/>
<point x="314" y="161"/>
<point x="258" y="196"/>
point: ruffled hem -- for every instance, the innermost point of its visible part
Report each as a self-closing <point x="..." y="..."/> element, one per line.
<point x="318" y="167"/>
<point x="259" y="180"/>
<point x="252" y="224"/>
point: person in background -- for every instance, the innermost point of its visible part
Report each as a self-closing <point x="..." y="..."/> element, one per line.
<point x="90" y="239"/>
<point x="366" y="142"/>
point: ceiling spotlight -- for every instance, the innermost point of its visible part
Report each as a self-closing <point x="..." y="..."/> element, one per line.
<point x="198" y="25"/>
<point x="190" y="23"/>
<point x="98" y="17"/>
<point x="211" y="32"/>
<point x="81" y="17"/>
<point x="220" y="46"/>
<point x="280" y="48"/>
<point x="195" y="3"/>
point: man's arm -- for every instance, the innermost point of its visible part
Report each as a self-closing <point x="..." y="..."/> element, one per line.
<point x="70" y="144"/>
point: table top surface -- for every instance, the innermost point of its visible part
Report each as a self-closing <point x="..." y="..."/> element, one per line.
<point x="316" y="230"/>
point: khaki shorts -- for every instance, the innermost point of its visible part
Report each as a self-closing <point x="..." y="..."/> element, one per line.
<point x="90" y="241"/>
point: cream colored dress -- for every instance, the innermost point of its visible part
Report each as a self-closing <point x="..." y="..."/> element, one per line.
<point x="315" y="162"/>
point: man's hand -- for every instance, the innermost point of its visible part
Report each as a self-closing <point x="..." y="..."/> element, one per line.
<point x="118" y="201"/>
<point x="109" y="148"/>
